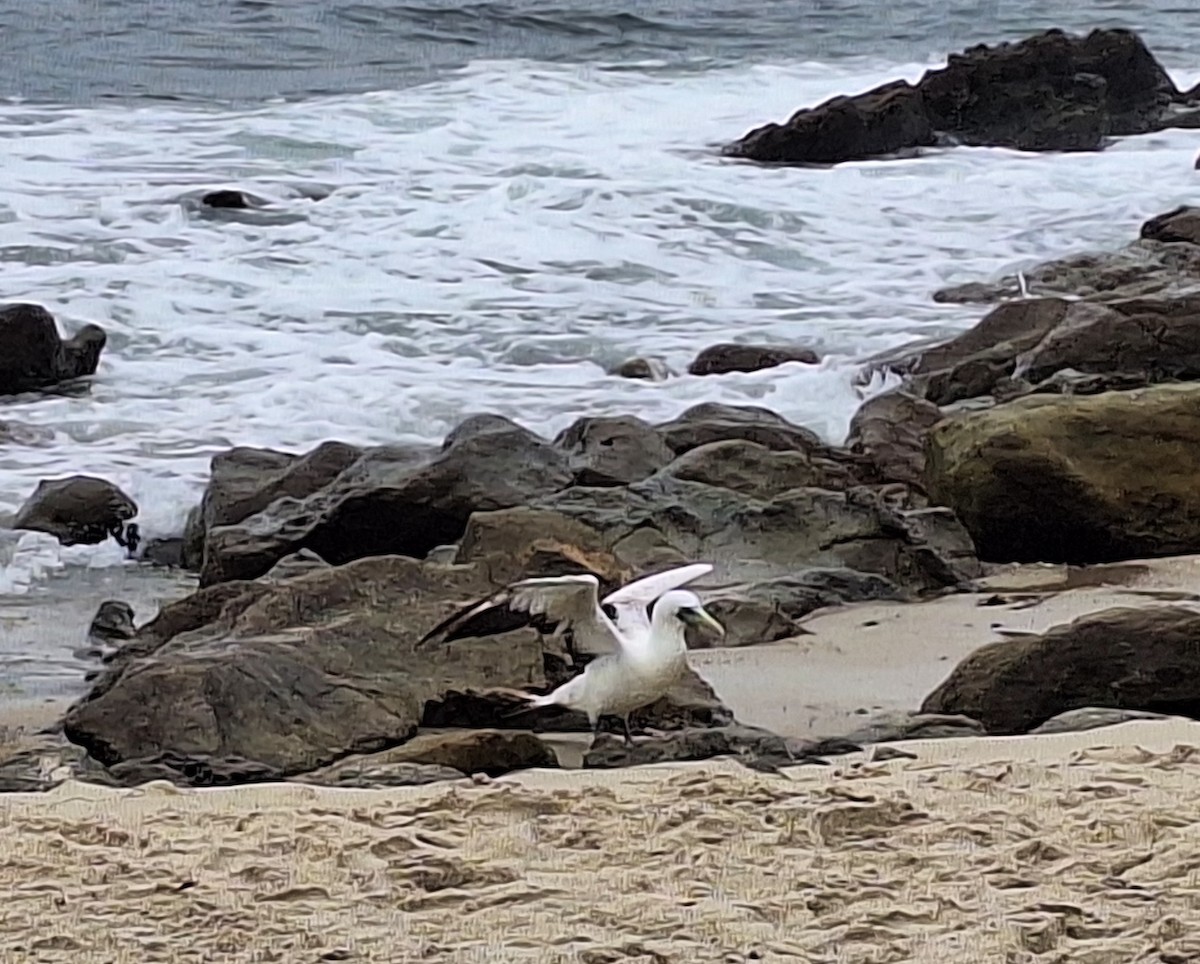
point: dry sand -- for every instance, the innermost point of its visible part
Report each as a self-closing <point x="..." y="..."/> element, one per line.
<point x="1080" y="848"/>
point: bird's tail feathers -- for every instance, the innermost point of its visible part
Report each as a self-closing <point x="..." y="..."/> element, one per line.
<point x="529" y="701"/>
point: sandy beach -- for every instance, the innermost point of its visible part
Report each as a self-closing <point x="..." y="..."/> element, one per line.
<point x="1078" y="847"/>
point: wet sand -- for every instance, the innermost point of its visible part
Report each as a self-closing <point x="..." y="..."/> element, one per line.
<point x="1079" y="847"/>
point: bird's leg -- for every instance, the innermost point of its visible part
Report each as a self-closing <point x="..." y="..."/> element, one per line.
<point x="628" y="733"/>
<point x="595" y="721"/>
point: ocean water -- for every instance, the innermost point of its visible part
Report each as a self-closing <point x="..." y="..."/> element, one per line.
<point x="511" y="199"/>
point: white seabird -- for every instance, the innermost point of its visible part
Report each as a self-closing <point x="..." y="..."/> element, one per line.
<point x="643" y="656"/>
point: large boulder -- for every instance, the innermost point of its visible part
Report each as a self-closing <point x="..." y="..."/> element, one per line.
<point x="33" y="355"/>
<point x="77" y="510"/>
<point x="297" y="674"/>
<point x="1049" y="92"/>
<point x="1081" y="479"/>
<point x="394" y="501"/>
<point x="1122" y="658"/>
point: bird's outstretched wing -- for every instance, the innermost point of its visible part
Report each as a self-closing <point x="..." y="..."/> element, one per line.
<point x="545" y="602"/>
<point x="632" y="601"/>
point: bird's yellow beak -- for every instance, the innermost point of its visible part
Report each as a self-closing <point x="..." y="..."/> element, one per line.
<point x="702" y="617"/>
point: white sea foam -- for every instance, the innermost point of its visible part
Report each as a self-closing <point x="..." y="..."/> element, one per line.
<point x="492" y="242"/>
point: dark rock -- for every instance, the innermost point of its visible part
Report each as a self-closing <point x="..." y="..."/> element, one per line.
<point x="1049" y="92"/>
<point x="1163" y="262"/>
<point x="227" y="198"/>
<point x="751" y="539"/>
<point x="613" y="451"/>
<point x="167" y="552"/>
<point x="728" y="357"/>
<point x="751" y="745"/>
<point x="494" y="752"/>
<point x="190" y="769"/>
<point x="1093" y="717"/>
<point x="1119" y="658"/>
<point x="1144" y="339"/>
<point x="890" y="431"/>
<point x="33" y="355"/>
<point x="522" y="542"/>
<point x="110" y="628"/>
<point x="900" y="725"/>
<point x="382" y="505"/>
<point x="882" y="121"/>
<point x="713" y="422"/>
<point x="35" y="762"/>
<point x="294" y="675"/>
<point x="375" y="771"/>
<point x="647" y="369"/>
<point x="77" y="510"/>
<point x="756" y="470"/>
<point x="1180" y="225"/>
<point x="1075" y="479"/>
<point x="762" y="612"/>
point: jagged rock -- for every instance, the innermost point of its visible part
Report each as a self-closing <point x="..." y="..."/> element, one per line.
<point x="33" y="355"/>
<point x="730" y="357"/>
<point x="1146" y="339"/>
<point x="77" y="510"/>
<point x="299" y="563"/>
<point x="613" y="451"/>
<point x="1075" y="479"/>
<point x="748" y="538"/>
<point x="1163" y="262"/>
<point x="890" y="431"/>
<point x="374" y="771"/>
<point x="1049" y="92"/>
<point x="762" y="612"/>
<point x="1121" y="658"/>
<point x="245" y="481"/>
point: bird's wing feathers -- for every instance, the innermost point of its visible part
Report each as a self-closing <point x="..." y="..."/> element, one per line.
<point x="632" y="600"/>
<point x="553" y="599"/>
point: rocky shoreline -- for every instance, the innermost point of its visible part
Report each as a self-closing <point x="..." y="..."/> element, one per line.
<point x="1059" y="429"/>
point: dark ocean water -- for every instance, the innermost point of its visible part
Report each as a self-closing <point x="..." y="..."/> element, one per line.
<point x="238" y="51"/>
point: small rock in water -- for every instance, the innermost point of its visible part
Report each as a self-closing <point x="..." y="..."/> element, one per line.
<point x="78" y="510"/>
<point x="724" y="358"/>
<point x="225" y="199"/>
<point x="647" y="369"/>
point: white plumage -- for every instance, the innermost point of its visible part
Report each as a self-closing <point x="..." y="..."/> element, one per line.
<point x="642" y="656"/>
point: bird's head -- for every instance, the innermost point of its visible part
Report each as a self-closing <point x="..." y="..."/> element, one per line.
<point x="685" y="607"/>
